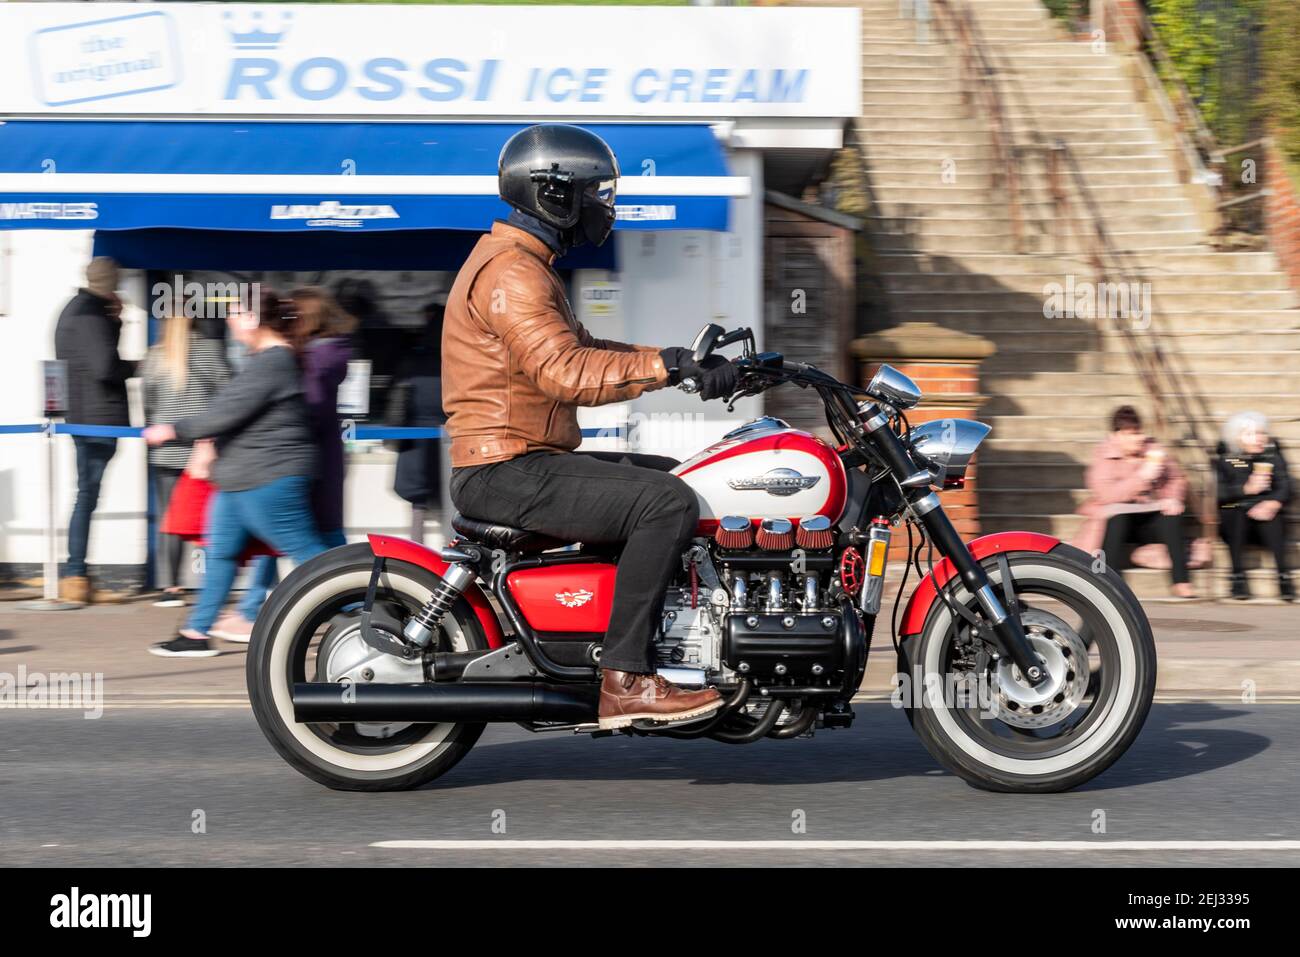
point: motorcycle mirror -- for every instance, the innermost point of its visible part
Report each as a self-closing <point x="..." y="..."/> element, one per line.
<point x="706" y="340"/>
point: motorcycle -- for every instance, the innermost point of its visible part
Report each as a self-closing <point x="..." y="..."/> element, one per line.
<point x="1023" y="664"/>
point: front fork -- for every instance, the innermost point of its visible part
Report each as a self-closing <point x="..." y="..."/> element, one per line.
<point x="1008" y="633"/>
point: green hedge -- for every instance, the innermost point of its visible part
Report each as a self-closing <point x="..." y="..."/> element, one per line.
<point x="1280" y="97"/>
<point x="1241" y="61"/>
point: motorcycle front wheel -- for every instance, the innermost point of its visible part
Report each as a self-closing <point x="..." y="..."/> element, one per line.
<point x="309" y="630"/>
<point x="982" y="721"/>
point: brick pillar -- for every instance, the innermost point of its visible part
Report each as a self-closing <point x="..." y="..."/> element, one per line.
<point x="1282" y="213"/>
<point x="944" y="363"/>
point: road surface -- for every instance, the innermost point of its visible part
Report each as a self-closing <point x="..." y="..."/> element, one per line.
<point x="132" y="787"/>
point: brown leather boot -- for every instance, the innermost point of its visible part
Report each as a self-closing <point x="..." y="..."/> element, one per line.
<point x="626" y="697"/>
<point x="75" y="588"/>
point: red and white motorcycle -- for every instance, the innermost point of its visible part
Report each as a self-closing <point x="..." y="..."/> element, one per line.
<point x="1022" y="664"/>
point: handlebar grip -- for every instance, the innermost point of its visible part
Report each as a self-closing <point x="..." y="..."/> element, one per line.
<point x="690" y="385"/>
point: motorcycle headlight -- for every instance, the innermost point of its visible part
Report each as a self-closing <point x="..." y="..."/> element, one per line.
<point x="949" y="444"/>
<point x="893" y="388"/>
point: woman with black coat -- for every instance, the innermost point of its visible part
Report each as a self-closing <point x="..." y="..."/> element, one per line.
<point x="1254" y="489"/>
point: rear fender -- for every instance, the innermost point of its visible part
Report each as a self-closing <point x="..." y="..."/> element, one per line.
<point x="404" y="550"/>
<point x="926" y="593"/>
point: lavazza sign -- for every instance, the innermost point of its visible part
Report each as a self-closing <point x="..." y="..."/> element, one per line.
<point x="131" y="58"/>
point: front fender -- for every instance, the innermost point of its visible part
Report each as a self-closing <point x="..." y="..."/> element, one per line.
<point x="926" y="593"/>
<point x="405" y="550"/>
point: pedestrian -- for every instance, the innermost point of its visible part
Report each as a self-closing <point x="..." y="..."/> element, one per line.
<point x="1138" y="496"/>
<point x="1254" y="489"/>
<point x="322" y="336"/>
<point x="86" y="338"/>
<point x="181" y="374"/>
<point x="415" y="401"/>
<point x="265" y="460"/>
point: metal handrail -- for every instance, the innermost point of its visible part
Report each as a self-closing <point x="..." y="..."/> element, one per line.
<point x="1157" y="366"/>
<point x="1196" y="144"/>
<point x="981" y="89"/>
<point x="1233" y="197"/>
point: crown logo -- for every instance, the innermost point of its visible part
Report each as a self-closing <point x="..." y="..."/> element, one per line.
<point x="257" y="38"/>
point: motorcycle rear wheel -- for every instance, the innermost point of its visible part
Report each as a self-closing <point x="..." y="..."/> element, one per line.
<point x="318" y="595"/>
<point x="1097" y="636"/>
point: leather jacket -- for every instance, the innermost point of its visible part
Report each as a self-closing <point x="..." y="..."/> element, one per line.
<point x="516" y="363"/>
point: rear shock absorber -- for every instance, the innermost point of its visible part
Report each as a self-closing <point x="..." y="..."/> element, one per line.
<point x="422" y="626"/>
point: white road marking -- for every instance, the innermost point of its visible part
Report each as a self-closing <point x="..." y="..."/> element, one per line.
<point x="797" y="845"/>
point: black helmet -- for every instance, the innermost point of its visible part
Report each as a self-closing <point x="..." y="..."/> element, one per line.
<point x="565" y="176"/>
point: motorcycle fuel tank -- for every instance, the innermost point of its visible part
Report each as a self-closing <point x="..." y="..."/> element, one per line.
<point x="766" y="469"/>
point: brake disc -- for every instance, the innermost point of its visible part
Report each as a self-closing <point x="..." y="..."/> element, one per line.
<point x="1064" y="656"/>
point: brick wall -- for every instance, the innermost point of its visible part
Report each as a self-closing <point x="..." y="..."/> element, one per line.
<point x="1282" y="214"/>
<point x="950" y="389"/>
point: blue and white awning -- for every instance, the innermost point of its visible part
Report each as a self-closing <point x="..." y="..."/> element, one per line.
<point x="310" y="176"/>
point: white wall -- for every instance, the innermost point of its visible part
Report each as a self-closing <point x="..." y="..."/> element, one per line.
<point x="47" y="267"/>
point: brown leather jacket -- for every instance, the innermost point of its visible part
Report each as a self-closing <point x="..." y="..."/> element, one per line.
<point x="516" y="363"/>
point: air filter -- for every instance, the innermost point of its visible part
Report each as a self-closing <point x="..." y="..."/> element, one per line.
<point x="776" y="534"/>
<point x="734" y="531"/>
<point x="815" y="533"/>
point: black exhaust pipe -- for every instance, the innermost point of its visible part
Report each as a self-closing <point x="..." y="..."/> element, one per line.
<point x="335" y="703"/>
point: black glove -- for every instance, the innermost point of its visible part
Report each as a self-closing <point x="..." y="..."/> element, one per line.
<point x="716" y="375"/>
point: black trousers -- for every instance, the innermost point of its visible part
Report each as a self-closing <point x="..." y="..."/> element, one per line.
<point x="1126" y="530"/>
<point x="1239" y="530"/>
<point x="597" y="498"/>
<point x="167" y="548"/>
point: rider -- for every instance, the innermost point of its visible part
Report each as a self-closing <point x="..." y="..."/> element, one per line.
<point x="517" y="364"/>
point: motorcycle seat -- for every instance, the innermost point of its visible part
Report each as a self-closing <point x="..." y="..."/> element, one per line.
<point x="497" y="535"/>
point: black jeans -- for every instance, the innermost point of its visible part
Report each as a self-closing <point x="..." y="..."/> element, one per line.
<point x="597" y="498"/>
<point x="1239" y="530"/>
<point x="93" y="455"/>
<point x="1144" y="528"/>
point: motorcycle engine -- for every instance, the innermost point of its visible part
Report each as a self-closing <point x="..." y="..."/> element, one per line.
<point x="772" y="615"/>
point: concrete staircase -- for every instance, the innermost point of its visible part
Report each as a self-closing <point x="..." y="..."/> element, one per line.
<point x="942" y="235"/>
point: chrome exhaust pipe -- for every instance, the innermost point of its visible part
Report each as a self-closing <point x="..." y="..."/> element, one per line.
<point x="500" y="701"/>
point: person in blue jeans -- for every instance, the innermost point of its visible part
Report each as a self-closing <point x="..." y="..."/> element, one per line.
<point x="93" y="455"/>
<point x="264" y="467"/>
<point x="321" y="334"/>
<point x="86" y="338"/>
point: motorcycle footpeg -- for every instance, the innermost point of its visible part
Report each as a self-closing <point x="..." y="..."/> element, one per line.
<point x="647" y="724"/>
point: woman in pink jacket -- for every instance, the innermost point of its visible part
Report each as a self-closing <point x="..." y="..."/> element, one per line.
<point x="1138" y="498"/>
